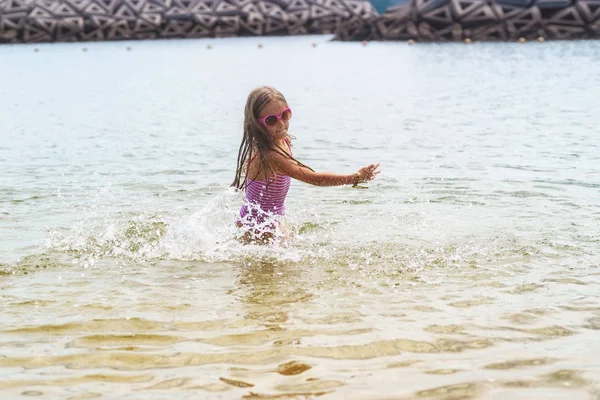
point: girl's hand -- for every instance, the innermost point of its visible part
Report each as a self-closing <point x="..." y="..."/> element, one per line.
<point x="368" y="173"/>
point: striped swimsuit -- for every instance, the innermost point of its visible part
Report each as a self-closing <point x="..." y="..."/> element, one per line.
<point x="264" y="200"/>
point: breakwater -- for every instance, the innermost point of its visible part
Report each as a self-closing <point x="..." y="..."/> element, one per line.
<point x="30" y="21"/>
<point x="480" y="20"/>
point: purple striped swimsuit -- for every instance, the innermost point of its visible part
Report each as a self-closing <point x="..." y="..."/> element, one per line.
<point x="264" y="199"/>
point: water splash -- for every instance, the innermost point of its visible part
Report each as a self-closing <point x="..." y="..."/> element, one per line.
<point x="342" y="247"/>
<point x="146" y="236"/>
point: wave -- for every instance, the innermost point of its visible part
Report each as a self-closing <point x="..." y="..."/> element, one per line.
<point x="335" y="242"/>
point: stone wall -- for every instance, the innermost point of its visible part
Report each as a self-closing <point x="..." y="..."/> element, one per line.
<point x="480" y="20"/>
<point x="28" y="21"/>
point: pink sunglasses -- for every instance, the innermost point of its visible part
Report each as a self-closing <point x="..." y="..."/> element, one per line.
<point x="272" y="119"/>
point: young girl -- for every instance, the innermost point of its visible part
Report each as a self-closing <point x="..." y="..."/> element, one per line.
<point x="265" y="166"/>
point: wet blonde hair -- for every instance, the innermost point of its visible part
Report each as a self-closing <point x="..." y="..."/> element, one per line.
<point x="256" y="138"/>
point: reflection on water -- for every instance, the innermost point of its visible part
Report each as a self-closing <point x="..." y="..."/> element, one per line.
<point x="274" y="332"/>
<point x="270" y="291"/>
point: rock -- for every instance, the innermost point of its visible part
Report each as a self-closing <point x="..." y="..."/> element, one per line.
<point x="479" y="20"/>
<point x="29" y="21"/>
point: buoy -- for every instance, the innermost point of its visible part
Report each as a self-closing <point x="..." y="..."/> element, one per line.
<point x="541" y="39"/>
<point x="468" y="41"/>
<point x="364" y="42"/>
<point x="260" y="46"/>
<point x="128" y="48"/>
<point x="411" y="42"/>
<point x="84" y="49"/>
<point x="522" y="40"/>
<point x="209" y="47"/>
<point x="314" y="45"/>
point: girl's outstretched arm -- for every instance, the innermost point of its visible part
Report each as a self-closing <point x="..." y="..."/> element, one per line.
<point x="290" y="168"/>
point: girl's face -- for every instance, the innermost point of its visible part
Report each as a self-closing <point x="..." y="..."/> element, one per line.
<point x="278" y="131"/>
